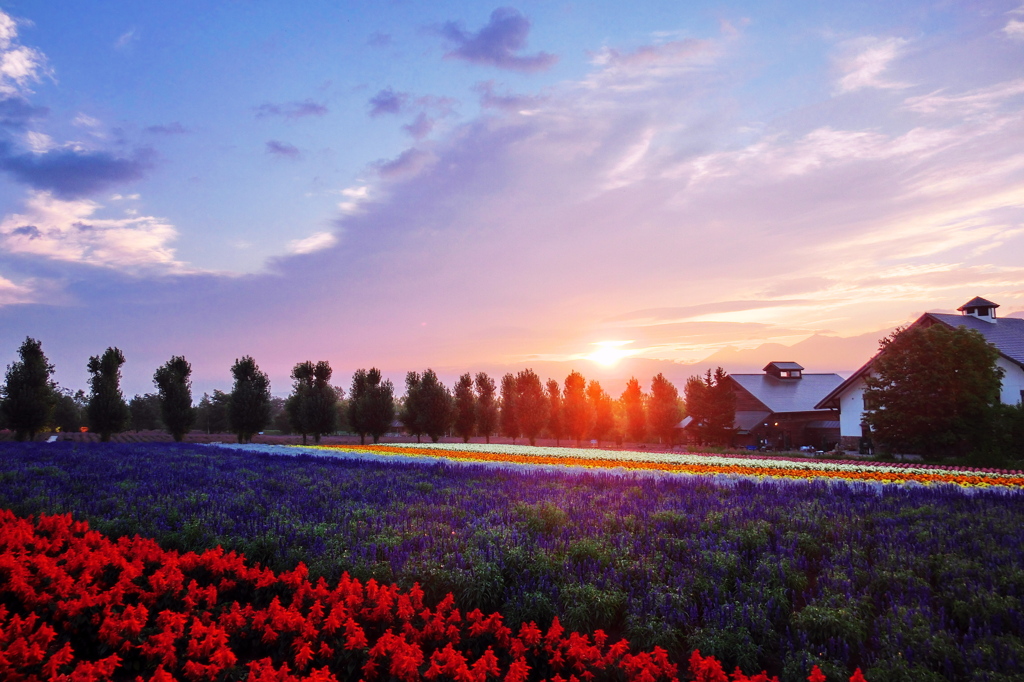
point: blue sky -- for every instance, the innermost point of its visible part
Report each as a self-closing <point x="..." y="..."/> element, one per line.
<point x="463" y="185"/>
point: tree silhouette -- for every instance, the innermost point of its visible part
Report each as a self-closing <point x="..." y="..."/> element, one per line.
<point x="663" y="410"/>
<point x="933" y="391"/>
<point x="532" y="406"/>
<point x="174" y="386"/>
<point x="371" y="408"/>
<point x="711" y="404"/>
<point x="632" y="400"/>
<point x="436" y="411"/>
<point x="486" y="405"/>
<point x="555" y="426"/>
<point x="107" y="411"/>
<point x="575" y="408"/>
<point x="249" y="405"/>
<point x="601" y="407"/>
<point x="312" y="406"/>
<point x="411" y="414"/>
<point x="509" y="422"/>
<point x="29" y="396"/>
<point x="465" y="407"/>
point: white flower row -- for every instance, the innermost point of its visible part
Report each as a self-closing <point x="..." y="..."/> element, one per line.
<point x="685" y="458"/>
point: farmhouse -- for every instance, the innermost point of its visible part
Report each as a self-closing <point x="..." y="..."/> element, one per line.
<point x="1006" y="334"/>
<point x="778" y="407"/>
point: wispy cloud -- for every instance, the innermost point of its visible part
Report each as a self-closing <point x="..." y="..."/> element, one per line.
<point x="19" y="65"/>
<point x="16" y="112"/>
<point x="126" y="39"/>
<point x="864" y="63"/>
<point x="173" y="128"/>
<point x="292" y="110"/>
<point x="70" y="231"/>
<point x="312" y="243"/>
<point x="278" y="148"/>
<point x="387" y="101"/>
<point x="497" y="43"/>
<point x="968" y="103"/>
<point x="73" y="172"/>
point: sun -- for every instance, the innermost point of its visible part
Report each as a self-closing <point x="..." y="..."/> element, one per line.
<point x="609" y="352"/>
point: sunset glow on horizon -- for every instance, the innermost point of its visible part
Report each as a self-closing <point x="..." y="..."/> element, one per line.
<point x="452" y="186"/>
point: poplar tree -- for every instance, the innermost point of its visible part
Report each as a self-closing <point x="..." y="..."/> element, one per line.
<point x="436" y="409"/>
<point x="107" y="411"/>
<point x="509" y="422"/>
<point x="555" y="426"/>
<point x="486" y="405"/>
<point x="249" y="405"/>
<point x="575" y="408"/>
<point x="601" y="407"/>
<point x="29" y="396"/>
<point x="411" y="414"/>
<point x="312" y="407"/>
<point x="663" y="410"/>
<point x="632" y="400"/>
<point x="465" y="407"/>
<point x="531" y="405"/>
<point x="174" y="387"/>
<point x="371" y="407"/>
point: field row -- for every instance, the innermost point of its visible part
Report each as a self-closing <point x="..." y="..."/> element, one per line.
<point x="706" y="464"/>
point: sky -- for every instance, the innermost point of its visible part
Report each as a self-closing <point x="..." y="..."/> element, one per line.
<point x="468" y="186"/>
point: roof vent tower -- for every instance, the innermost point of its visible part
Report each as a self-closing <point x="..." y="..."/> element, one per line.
<point x="783" y="370"/>
<point x="980" y="308"/>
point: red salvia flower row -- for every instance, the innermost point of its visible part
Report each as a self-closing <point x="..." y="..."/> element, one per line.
<point x="77" y="606"/>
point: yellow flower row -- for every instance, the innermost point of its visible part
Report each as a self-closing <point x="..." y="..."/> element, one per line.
<point x="894" y="476"/>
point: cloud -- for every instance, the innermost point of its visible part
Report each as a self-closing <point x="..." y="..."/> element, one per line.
<point x="497" y="43"/>
<point x="19" y="65"/>
<point x="277" y="148"/>
<point x="508" y="102"/>
<point x="125" y="39"/>
<point x="410" y="162"/>
<point x="70" y="231"/>
<point x="173" y="128"/>
<point x="387" y="101"/>
<point x="420" y="127"/>
<point x="16" y="112"/>
<point x="970" y="103"/>
<point x="72" y="172"/>
<point x="379" y="39"/>
<point x="11" y="293"/>
<point x="292" y="110"/>
<point x="864" y="62"/>
<point x="314" y="242"/>
<point x="1014" y="29"/>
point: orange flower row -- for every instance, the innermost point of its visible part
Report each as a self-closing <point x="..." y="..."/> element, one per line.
<point x="894" y="476"/>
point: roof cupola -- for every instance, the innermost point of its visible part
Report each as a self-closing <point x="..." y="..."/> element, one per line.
<point x="981" y="308"/>
<point x="783" y="370"/>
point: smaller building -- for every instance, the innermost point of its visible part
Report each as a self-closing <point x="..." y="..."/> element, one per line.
<point x="1006" y="334"/>
<point x="776" y="409"/>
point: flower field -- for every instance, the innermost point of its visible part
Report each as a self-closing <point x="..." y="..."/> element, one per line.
<point x="776" y="467"/>
<point x="918" y="582"/>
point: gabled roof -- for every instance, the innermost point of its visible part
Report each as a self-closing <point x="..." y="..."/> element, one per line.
<point x="782" y="395"/>
<point x="1006" y="334"/>
<point x="790" y="366"/>
<point x="978" y="302"/>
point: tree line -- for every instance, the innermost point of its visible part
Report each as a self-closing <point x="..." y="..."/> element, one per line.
<point x="521" y="406"/>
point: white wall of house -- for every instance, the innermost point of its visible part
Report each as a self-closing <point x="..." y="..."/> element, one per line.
<point x="1013" y="381"/>
<point x="851" y="402"/>
<point x="851" y="409"/>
